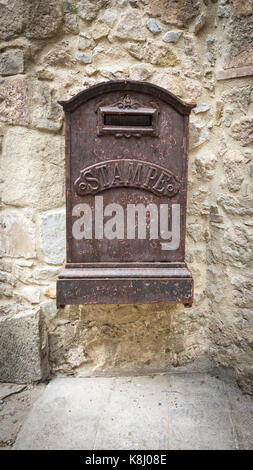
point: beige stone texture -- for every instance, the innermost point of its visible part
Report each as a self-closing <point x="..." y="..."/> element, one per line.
<point x="243" y="8"/>
<point x="24" y="347"/>
<point x="32" y="163"/>
<point x="11" y="18"/>
<point x="61" y="55"/>
<point x="88" y="10"/>
<point x="130" y="27"/>
<point x="17" y="235"/>
<point x="42" y="18"/>
<point x="100" y="30"/>
<point x="13" y="100"/>
<point x="238" y="43"/>
<point x="242" y="130"/>
<point x="71" y="24"/>
<point x="32" y="294"/>
<point x="118" y="339"/>
<point x="35" y="18"/>
<point x="47" y="114"/>
<point x="50" y="292"/>
<point x="177" y="12"/>
<point x="11" y="62"/>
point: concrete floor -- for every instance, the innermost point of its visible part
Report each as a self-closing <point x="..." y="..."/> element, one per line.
<point x="183" y="411"/>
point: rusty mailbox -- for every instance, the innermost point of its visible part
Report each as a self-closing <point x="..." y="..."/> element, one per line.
<point x="126" y="181"/>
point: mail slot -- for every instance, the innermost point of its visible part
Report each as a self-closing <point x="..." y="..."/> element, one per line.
<point x="126" y="183"/>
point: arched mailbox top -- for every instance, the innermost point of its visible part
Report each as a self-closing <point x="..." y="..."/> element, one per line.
<point x="126" y="180"/>
<point x="127" y="86"/>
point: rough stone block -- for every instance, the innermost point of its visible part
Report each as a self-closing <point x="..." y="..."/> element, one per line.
<point x="100" y="30"/>
<point x="13" y="98"/>
<point x="49" y="309"/>
<point x="113" y="338"/>
<point x="88" y="10"/>
<point x="47" y="113"/>
<point x="50" y="292"/>
<point x="53" y="234"/>
<point x="48" y="273"/>
<point x="23" y="347"/>
<point x="238" y="96"/>
<point x="130" y="27"/>
<point x="85" y="41"/>
<point x="200" y="23"/>
<point x="43" y="18"/>
<point x="17" y="235"/>
<point x="243" y="292"/>
<point x="109" y="17"/>
<point x="22" y="274"/>
<point x="242" y="131"/>
<point x="244" y="8"/>
<point x="141" y="72"/>
<point x="198" y="134"/>
<point x="37" y="19"/>
<point x="223" y="12"/>
<point x="236" y="205"/>
<point x="33" y="169"/>
<point x="71" y="24"/>
<point x="174" y="12"/>
<point x="32" y="294"/>
<point x="12" y="62"/>
<point x="238" y="252"/>
<point x="163" y="55"/>
<point x="12" y="14"/>
<point x="240" y="42"/>
<point x="62" y="55"/>
<point x="234" y="172"/>
<point x="205" y="165"/>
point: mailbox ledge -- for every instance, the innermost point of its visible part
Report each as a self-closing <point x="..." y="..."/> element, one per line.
<point x="124" y="286"/>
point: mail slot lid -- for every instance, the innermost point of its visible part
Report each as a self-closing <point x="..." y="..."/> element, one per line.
<point x="117" y="121"/>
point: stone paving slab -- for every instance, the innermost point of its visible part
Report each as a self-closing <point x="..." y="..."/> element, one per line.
<point x="136" y="415"/>
<point x="241" y="406"/>
<point x="199" y="415"/>
<point x="16" y="403"/>
<point x="183" y="411"/>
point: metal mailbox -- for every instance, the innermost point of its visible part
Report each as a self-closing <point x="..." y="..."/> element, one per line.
<point x="126" y="181"/>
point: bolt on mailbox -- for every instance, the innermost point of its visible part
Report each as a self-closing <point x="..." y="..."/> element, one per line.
<point x="126" y="181"/>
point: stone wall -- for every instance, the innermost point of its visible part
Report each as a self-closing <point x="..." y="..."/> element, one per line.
<point x="200" y="50"/>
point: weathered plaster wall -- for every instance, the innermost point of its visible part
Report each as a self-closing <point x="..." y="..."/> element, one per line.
<point x="51" y="50"/>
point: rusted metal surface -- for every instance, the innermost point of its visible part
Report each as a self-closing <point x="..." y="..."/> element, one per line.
<point x="125" y="291"/>
<point x="126" y="144"/>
